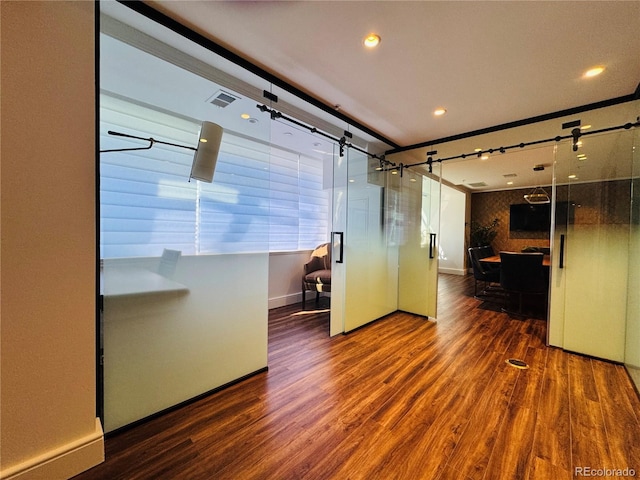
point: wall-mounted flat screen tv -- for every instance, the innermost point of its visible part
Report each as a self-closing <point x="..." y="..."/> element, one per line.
<point x="525" y="217"/>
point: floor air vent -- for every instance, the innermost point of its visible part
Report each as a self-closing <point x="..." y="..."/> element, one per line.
<point x="514" y="362"/>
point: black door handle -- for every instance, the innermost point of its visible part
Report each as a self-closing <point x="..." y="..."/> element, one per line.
<point x="561" y="252"/>
<point x="432" y="244"/>
<point x="340" y="253"/>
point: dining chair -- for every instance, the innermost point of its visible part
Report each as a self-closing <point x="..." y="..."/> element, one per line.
<point x="522" y="274"/>
<point x="483" y="272"/>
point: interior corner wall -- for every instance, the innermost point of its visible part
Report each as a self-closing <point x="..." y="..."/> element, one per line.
<point x="48" y="424"/>
<point x="452" y="231"/>
<point x="285" y="277"/>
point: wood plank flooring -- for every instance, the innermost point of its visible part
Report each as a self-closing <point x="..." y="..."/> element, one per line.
<point x="402" y="398"/>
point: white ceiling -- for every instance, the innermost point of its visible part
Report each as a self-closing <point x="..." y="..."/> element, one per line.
<point x="487" y="62"/>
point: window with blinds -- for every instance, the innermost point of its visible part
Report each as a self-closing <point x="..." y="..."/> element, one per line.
<point x="261" y="199"/>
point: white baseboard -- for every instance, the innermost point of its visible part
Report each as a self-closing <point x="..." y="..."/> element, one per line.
<point x="292" y="298"/>
<point x="453" y="271"/>
<point x="284" y="300"/>
<point x="63" y="462"/>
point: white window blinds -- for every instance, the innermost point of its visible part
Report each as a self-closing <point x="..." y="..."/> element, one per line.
<point x="261" y="198"/>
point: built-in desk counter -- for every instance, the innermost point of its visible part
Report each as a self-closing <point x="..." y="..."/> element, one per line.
<point x="119" y="281"/>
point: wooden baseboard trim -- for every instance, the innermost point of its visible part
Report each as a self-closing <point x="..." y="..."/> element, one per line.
<point x="63" y="462"/>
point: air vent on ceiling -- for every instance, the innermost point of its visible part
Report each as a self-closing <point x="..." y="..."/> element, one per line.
<point x="222" y="99"/>
<point x="477" y="184"/>
<point x="509" y="175"/>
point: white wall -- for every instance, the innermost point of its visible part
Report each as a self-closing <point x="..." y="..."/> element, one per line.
<point x="48" y="426"/>
<point x="452" y="231"/>
<point x="285" y="277"/>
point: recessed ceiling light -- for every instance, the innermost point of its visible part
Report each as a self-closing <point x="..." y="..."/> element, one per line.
<point x="509" y="183"/>
<point x="372" y="40"/>
<point x="245" y="116"/>
<point x="288" y="134"/>
<point x="438" y="112"/>
<point x="412" y="180"/>
<point x="351" y="180"/>
<point x="585" y="127"/>
<point x="484" y="157"/>
<point x="477" y="150"/>
<point x="573" y="175"/>
<point x="593" y="72"/>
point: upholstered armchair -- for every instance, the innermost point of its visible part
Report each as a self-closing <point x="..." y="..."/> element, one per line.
<point x="317" y="272"/>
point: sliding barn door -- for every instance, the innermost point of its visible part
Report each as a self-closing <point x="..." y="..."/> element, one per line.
<point x="417" y="234"/>
<point x="593" y="192"/>
<point x="364" y="255"/>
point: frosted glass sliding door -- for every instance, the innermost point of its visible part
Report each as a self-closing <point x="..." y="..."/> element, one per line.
<point x="632" y="341"/>
<point x="369" y="259"/>
<point x="418" y="227"/>
<point x="184" y="263"/>
<point x="340" y="181"/>
<point x="589" y="288"/>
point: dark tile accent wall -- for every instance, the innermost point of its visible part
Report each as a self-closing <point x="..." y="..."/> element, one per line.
<point x="487" y="206"/>
<point x="606" y="202"/>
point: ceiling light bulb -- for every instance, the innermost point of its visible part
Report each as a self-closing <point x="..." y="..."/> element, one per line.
<point x="245" y="116"/>
<point x="593" y="72"/>
<point x="438" y="112"/>
<point x="372" y="40"/>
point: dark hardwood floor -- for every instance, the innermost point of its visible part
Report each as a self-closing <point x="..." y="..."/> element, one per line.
<point x="402" y="398"/>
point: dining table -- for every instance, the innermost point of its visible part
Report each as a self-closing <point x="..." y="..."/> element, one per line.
<point x="546" y="260"/>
